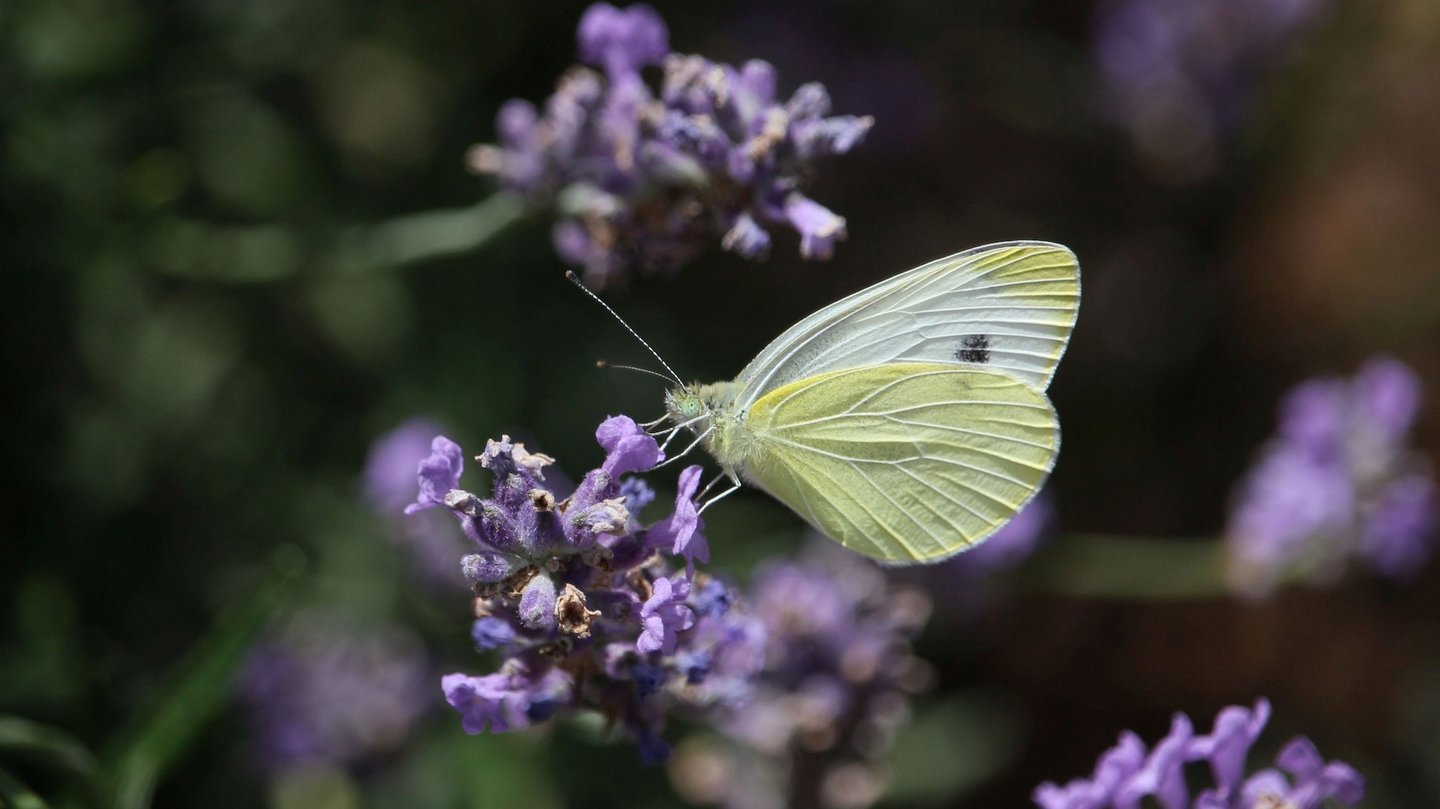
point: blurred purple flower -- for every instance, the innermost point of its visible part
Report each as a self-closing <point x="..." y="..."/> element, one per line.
<point x="966" y="583"/>
<point x="1126" y="774"/>
<point x="1181" y="75"/>
<point x="322" y="691"/>
<point x="834" y="681"/>
<point x="583" y="611"/>
<point x="389" y="485"/>
<point x="1013" y="543"/>
<point x="1337" y="481"/>
<point x="640" y="181"/>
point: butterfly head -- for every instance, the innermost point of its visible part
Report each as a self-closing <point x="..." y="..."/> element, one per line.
<point x="684" y="404"/>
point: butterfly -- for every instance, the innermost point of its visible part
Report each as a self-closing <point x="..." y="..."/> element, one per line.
<point x="909" y="420"/>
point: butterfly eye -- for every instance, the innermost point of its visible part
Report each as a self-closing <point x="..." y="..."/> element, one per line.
<point x="690" y="407"/>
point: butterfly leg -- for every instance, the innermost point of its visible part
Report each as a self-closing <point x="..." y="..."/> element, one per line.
<point x="717" y="498"/>
<point x="686" y="451"/>
<point x="706" y="489"/>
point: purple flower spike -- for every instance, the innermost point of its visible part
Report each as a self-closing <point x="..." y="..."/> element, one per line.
<point x="1122" y="781"/>
<point x="1337" y="482"/>
<point x="628" y="448"/>
<point x="643" y="180"/>
<point x="622" y="42"/>
<point x="583" y="613"/>
<point x="664" y="615"/>
<point x="438" y="473"/>
<point x="680" y="532"/>
<point x="302" y="683"/>
<point x="1166" y="64"/>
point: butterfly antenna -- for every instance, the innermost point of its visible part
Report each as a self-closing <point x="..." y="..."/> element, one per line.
<point x="605" y="364"/>
<point x="575" y="279"/>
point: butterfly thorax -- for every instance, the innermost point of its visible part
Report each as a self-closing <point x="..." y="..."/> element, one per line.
<point x="710" y="411"/>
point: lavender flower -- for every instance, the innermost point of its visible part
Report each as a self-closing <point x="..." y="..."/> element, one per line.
<point x="322" y="691"/>
<point x="389" y="485"/>
<point x="583" y="609"/>
<point x="1337" y="482"/>
<point x="643" y="181"/>
<point x="1180" y="75"/>
<point x="834" y="688"/>
<point x="1126" y="773"/>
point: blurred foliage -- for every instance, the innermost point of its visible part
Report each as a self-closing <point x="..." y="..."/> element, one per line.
<point x="243" y="246"/>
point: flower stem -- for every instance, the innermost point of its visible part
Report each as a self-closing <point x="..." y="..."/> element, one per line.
<point x="434" y="234"/>
<point x="1129" y="568"/>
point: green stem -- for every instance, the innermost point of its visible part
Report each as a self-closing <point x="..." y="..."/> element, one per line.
<point x="265" y="253"/>
<point x="52" y="744"/>
<point x="1129" y="568"/>
<point x="431" y="234"/>
<point x="199" y="687"/>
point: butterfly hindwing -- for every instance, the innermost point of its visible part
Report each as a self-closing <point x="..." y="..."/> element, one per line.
<point x="904" y="462"/>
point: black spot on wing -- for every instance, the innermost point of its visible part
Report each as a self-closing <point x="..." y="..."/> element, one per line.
<point x="974" y="348"/>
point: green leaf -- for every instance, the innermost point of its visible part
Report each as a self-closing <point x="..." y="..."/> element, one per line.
<point x="51" y="745"/>
<point x="200" y="687"/>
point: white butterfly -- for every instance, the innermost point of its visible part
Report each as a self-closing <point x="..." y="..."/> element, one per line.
<point x="907" y="421"/>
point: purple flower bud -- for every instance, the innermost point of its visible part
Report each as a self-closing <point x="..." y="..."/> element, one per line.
<point x="537" y="603"/>
<point x="491" y="633"/>
<point x="438" y="474"/>
<point x="485" y="568"/>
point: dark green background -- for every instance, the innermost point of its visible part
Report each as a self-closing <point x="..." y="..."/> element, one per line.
<point x="201" y="344"/>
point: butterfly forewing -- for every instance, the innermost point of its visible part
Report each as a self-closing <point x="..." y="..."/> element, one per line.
<point x="904" y="462"/>
<point x="1008" y="307"/>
